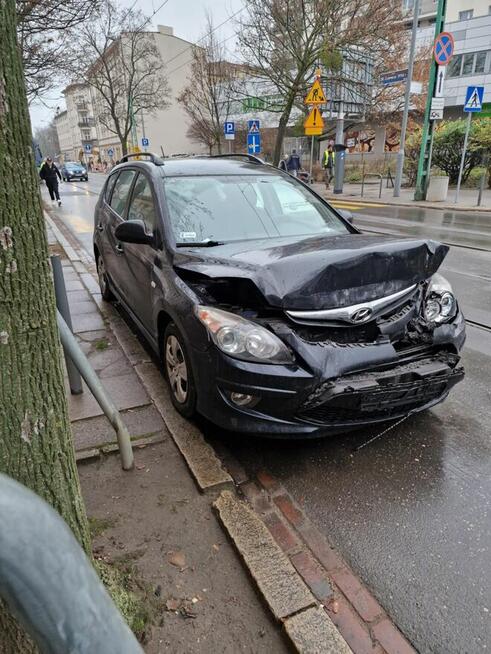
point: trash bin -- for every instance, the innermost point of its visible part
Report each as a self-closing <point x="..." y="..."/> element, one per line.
<point x="437" y="188"/>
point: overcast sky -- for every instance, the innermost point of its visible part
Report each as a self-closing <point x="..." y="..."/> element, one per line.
<point x="187" y="19"/>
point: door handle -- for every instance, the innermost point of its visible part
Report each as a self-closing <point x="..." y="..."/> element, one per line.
<point x="119" y="248"/>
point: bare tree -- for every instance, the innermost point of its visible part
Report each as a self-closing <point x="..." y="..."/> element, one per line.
<point x="47" y="140"/>
<point x="284" y="40"/>
<point x="43" y="31"/>
<point x="208" y="97"/>
<point x="122" y="64"/>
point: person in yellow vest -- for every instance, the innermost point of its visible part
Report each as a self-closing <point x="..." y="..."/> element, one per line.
<point x="328" y="163"/>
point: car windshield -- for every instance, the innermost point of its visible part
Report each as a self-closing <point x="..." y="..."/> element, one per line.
<point x="71" y="166"/>
<point x="242" y="207"/>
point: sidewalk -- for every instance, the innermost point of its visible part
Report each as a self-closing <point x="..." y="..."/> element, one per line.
<point x="352" y="192"/>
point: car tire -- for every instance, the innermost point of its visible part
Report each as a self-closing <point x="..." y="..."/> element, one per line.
<point x="68" y="179"/>
<point x="178" y="371"/>
<point x="107" y="294"/>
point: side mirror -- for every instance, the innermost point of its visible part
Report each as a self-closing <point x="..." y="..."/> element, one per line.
<point x="133" y="231"/>
<point x="347" y="215"/>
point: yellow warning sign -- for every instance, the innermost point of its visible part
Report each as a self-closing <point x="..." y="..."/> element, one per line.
<point x="316" y="94"/>
<point x="314" y="122"/>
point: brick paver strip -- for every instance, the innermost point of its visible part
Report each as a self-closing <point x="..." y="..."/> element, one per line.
<point x="365" y="604"/>
<point x="282" y="535"/>
<point x="277" y="579"/>
<point x="391" y="638"/>
<point x="312" y="632"/>
<point x="315" y="577"/>
<point x="351" y="626"/>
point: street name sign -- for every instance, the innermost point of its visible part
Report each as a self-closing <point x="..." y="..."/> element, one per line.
<point x="316" y="94"/>
<point x="473" y="99"/>
<point x="253" y="143"/>
<point x="393" y="77"/>
<point x="229" y="130"/>
<point x="443" y="48"/>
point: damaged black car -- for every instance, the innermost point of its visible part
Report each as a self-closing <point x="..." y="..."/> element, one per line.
<point x="270" y="311"/>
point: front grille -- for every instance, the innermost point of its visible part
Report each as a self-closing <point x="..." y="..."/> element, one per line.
<point x="373" y="400"/>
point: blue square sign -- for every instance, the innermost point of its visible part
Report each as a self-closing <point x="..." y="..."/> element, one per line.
<point x="229" y="130"/>
<point x="253" y="126"/>
<point x="253" y="143"/>
<point x="473" y="98"/>
<point x="145" y="142"/>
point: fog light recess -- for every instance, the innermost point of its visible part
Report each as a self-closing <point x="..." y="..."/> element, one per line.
<point x="243" y="399"/>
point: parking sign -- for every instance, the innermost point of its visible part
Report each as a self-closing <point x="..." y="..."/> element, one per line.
<point x="229" y="130"/>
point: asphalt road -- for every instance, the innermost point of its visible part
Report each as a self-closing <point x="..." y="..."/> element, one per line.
<point x="409" y="511"/>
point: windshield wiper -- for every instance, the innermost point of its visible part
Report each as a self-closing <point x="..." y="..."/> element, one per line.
<point x="200" y="244"/>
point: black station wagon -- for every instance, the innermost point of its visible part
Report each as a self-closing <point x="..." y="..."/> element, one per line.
<point x="271" y="312"/>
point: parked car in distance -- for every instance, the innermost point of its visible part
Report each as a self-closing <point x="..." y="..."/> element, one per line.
<point x="74" y="170"/>
<point x="272" y="313"/>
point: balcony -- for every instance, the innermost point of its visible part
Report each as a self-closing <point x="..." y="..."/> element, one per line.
<point x="86" y="123"/>
<point x="81" y="106"/>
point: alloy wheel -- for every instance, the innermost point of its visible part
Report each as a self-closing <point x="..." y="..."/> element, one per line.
<point x="177" y="371"/>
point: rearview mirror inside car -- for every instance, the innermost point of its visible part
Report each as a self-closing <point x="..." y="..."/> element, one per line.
<point x="133" y="231"/>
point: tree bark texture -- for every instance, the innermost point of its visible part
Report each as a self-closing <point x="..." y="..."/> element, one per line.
<point x="35" y="439"/>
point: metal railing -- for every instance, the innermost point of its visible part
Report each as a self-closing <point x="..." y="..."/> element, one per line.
<point x="379" y="181"/>
<point x="49" y="584"/>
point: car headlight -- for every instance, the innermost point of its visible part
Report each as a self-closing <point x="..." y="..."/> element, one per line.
<point x="243" y="339"/>
<point x="440" y="304"/>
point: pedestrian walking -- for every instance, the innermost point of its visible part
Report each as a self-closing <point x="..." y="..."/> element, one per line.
<point x="328" y="163"/>
<point x="50" y="174"/>
<point x="293" y="164"/>
<point x="282" y="164"/>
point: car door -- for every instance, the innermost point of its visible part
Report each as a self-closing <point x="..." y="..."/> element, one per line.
<point x="140" y="259"/>
<point x="114" y="212"/>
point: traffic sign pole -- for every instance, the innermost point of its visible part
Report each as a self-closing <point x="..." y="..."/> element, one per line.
<point x="424" y="164"/>
<point x="462" y="160"/>
<point x="407" y="98"/>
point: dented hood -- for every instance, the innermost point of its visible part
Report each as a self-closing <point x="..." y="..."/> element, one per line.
<point x="319" y="272"/>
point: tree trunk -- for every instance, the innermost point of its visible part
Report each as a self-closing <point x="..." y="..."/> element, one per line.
<point x="282" y="125"/>
<point x="35" y="440"/>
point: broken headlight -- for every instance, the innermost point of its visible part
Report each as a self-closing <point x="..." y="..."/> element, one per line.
<point x="440" y="304"/>
<point x="243" y="339"/>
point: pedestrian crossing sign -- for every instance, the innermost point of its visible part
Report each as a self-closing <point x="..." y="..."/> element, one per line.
<point x="473" y="98"/>
<point x="253" y="126"/>
<point x="316" y="94"/>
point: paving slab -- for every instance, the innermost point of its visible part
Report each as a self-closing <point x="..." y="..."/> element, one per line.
<point x="277" y="579"/>
<point x="74" y="285"/>
<point x="78" y="308"/>
<point x="313" y="632"/>
<point x="96" y="432"/>
<point x="87" y="322"/>
<point x="78" y="296"/>
<point x="126" y="391"/>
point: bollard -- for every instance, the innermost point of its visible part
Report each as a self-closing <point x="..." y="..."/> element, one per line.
<point x="74" y="378"/>
<point x="49" y="584"/>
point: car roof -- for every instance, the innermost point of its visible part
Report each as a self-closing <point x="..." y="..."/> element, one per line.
<point x="181" y="167"/>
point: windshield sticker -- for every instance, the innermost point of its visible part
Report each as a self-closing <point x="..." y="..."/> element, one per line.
<point x="187" y="234"/>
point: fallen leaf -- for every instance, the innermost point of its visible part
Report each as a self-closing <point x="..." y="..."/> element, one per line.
<point x="216" y="547"/>
<point x="194" y="600"/>
<point x="177" y="558"/>
<point x="173" y="604"/>
<point x="335" y="606"/>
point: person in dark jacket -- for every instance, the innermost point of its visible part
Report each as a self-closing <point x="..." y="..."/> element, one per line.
<point x="293" y="164"/>
<point x="50" y="173"/>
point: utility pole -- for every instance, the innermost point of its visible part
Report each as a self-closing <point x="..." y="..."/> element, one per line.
<point x="424" y="165"/>
<point x="407" y="99"/>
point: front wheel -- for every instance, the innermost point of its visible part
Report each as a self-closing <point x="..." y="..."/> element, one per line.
<point x="178" y="371"/>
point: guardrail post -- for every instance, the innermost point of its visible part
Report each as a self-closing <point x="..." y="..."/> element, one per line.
<point x="74" y="378"/>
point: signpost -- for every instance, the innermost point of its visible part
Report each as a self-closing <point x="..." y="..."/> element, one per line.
<point x="110" y="152"/>
<point x="87" y="148"/>
<point x="472" y="104"/>
<point x="437" y="106"/>
<point x="314" y="123"/>
<point x="229" y="133"/>
<point x="253" y="137"/>
<point x="442" y="54"/>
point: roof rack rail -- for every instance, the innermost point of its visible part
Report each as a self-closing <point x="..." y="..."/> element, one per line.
<point x="158" y="161"/>
<point x="250" y="157"/>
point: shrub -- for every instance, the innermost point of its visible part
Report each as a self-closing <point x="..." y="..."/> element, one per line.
<point x="474" y="178"/>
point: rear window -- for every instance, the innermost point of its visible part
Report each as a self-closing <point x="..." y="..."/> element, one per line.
<point x="242" y="207"/>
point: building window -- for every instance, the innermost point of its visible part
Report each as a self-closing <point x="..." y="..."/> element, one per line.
<point x="453" y="68"/>
<point x="480" y="65"/>
<point x="467" y="14"/>
<point x="407" y="5"/>
<point x="468" y="64"/>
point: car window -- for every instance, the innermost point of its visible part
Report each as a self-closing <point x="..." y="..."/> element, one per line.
<point x="142" y="206"/>
<point x="241" y="207"/>
<point x="110" y="185"/>
<point x="121" y="190"/>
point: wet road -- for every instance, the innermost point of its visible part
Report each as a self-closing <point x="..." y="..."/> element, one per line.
<point x="410" y="511"/>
